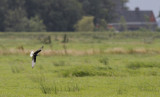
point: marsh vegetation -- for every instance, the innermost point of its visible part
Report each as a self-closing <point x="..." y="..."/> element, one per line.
<point x="99" y="64"/>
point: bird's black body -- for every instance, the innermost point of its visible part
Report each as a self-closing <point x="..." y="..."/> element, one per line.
<point x="35" y="54"/>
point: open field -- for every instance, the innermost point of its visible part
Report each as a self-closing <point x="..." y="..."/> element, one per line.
<point x="89" y="65"/>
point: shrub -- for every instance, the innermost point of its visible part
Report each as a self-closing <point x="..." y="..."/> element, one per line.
<point x="85" y="24"/>
<point x="104" y="60"/>
<point x="79" y="72"/>
<point x="137" y="65"/>
<point x="82" y="71"/>
<point x="36" y="25"/>
<point x="65" y="39"/>
<point x="103" y="25"/>
<point x="123" y="25"/>
<point x="45" y="39"/>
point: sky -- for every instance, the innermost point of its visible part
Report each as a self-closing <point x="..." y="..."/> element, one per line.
<point x="153" y="5"/>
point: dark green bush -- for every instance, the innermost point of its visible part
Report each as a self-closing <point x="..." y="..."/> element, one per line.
<point x="104" y="60"/>
<point x="85" y="24"/>
<point x="137" y="65"/>
<point x="82" y="71"/>
<point x="79" y="72"/>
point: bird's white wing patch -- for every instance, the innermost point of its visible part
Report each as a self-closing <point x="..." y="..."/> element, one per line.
<point x="31" y="54"/>
<point x="33" y="63"/>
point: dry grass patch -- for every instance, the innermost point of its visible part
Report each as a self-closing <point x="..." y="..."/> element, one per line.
<point x="48" y="52"/>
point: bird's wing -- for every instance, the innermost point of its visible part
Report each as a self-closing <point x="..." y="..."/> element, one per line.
<point x="34" y="56"/>
<point x="33" y="61"/>
<point x="36" y="52"/>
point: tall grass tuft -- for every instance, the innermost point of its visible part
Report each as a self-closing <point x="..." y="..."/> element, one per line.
<point x="72" y="87"/>
<point x="54" y="87"/>
<point x="60" y="63"/>
<point x="83" y="71"/>
<point x="49" y="87"/>
<point x="45" y="85"/>
<point x="17" y="68"/>
<point x="137" y="65"/>
<point x="104" y="60"/>
<point x="45" y="88"/>
<point x="79" y="71"/>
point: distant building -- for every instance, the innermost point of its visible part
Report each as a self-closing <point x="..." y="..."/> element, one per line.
<point x="133" y="20"/>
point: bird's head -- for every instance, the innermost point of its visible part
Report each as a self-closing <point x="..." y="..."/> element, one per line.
<point x="31" y="54"/>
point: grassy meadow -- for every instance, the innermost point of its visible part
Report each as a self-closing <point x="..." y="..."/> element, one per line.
<point x="91" y="64"/>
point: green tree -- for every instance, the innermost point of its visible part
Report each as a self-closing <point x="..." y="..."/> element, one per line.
<point x="3" y="8"/>
<point x="35" y="24"/>
<point x="103" y="25"/>
<point x="100" y="9"/>
<point x="85" y="24"/>
<point x="14" y="4"/>
<point x="123" y="25"/>
<point x="17" y="21"/>
<point x="58" y="15"/>
<point x="147" y="20"/>
<point x="14" y="20"/>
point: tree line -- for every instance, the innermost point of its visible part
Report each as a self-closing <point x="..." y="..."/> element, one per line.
<point x="52" y="15"/>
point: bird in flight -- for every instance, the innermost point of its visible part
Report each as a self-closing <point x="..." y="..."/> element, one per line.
<point x="34" y="55"/>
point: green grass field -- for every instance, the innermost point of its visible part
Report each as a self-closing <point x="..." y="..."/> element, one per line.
<point x="93" y="64"/>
